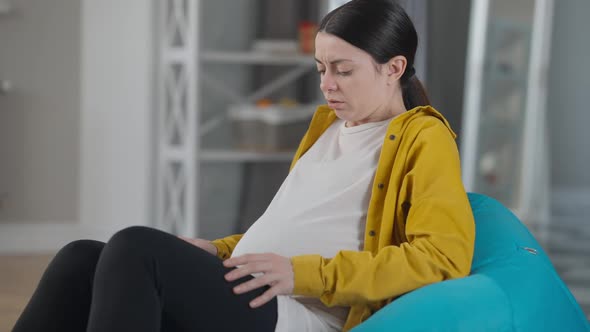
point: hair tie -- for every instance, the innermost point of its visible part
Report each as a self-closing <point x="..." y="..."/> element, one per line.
<point x="410" y="72"/>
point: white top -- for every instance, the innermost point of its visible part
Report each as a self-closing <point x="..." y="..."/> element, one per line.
<point x="320" y="208"/>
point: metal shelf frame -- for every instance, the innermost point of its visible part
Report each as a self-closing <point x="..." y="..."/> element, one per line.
<point x="177" y="120"/>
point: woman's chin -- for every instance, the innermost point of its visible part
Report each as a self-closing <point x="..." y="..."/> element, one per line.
<point x="343" y="114"/>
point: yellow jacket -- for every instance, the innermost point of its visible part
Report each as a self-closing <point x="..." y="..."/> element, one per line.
<point x="419" y="228"/>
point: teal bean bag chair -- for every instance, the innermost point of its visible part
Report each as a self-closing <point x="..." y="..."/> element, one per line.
<point x="512" y="287"/>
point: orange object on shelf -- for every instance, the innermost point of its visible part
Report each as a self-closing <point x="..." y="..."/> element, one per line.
<point x="307" y="32"/>
<point x="263" y="103"/>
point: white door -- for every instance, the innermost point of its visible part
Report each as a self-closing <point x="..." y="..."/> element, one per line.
<point x="503" y="147"/>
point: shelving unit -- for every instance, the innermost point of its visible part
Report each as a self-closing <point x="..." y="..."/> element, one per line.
<point x="206" y="65"/>
<point x="251" y="57"/>
<point x="233" y="155"/>
<point x="300" y="63"/>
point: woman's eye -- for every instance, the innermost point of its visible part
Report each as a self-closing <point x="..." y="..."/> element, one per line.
<point x="344" y="73"/>
<point x="321" y="72"/>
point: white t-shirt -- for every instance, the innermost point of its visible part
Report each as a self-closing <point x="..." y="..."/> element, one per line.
<point x="320" y="208"/>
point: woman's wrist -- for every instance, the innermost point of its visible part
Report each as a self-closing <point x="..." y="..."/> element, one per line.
<point x="212" y="248"/>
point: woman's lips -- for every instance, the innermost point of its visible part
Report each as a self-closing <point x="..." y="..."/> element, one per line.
<point x="335" y="104"/>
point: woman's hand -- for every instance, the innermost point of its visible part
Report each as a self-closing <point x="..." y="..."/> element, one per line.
<point x="203" y="244"/>
<point x="277" y="272"/>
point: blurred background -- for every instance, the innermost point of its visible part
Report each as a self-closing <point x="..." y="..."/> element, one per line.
<point x="184" y="115"/>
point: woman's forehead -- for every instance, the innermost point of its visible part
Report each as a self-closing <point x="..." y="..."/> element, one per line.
<point x="332" y="49"/>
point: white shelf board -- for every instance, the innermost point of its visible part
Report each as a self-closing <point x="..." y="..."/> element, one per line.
<point x="229" y="155"/>
<point x="257" y="58"/>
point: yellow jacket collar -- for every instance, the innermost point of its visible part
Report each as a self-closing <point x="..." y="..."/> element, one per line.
<point x="330" y="115"/>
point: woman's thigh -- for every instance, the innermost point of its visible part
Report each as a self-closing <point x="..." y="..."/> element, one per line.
<point x="164" y="275"/>
<point x="62" y="299"/>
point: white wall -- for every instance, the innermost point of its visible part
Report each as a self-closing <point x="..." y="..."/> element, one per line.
<point x="95" y="57"/>
<point x="117" y="76"/>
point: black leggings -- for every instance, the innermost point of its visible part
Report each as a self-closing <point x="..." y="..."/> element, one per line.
<point x="144" y="280"/>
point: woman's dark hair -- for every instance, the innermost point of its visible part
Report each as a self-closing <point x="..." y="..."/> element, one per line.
<point x="383" y="29"/>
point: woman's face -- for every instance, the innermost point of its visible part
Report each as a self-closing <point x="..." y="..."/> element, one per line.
<point x="357" y="88"/>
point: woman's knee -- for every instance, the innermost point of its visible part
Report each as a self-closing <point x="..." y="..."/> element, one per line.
<point x="77" y="257"/>
<point x="134" y="238"/>
<point x="80" y="251"/>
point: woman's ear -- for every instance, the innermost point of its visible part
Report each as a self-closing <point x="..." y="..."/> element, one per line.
<point x="396" y="67"/>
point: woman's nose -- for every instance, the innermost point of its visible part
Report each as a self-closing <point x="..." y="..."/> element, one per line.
<point x="327" y="83"/>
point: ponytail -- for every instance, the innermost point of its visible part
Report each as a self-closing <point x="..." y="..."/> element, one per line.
<point x="413" y="93"/>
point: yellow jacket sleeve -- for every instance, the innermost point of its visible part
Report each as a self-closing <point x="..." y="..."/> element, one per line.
<point x="225" y="246"/>
<point x="439" y="229"/>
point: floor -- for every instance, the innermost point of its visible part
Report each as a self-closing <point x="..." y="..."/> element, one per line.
<point x="569" y="251"/>
<point x="18" y="278"/>
<point x="569" y="244"/>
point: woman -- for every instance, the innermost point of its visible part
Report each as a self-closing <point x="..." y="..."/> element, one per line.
<point x="372" y="208"/>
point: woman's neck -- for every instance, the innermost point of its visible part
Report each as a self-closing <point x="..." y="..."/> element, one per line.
<point x="394" y="109"/>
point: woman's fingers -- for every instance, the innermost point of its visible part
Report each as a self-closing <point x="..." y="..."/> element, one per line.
<point x="255" y="283"/>
<point x="249" y="268"/>
<point x="276" y="270"/>
<point x="267" y="296"/>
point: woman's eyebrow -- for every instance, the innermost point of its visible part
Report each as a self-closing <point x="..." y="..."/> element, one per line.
<point x="333" y="62"/>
